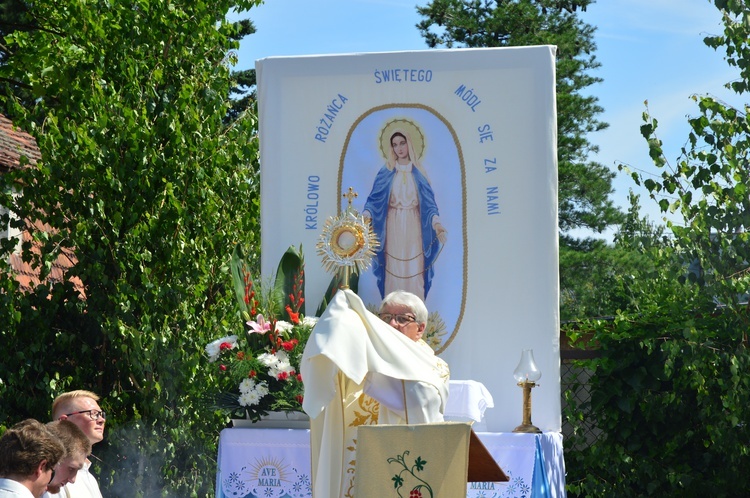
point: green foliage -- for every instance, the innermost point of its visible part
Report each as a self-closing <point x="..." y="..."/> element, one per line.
<point x="669" y="393"/>
<point x="600" y="278"/>
<point x="289" y="281"/>
<point x="144" y="179"/>
<point x="709" y="184"/>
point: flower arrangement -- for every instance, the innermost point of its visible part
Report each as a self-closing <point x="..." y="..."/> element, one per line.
<point x="259" y="369"/>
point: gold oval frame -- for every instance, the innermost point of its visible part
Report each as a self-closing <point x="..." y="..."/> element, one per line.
<point x="350" y="228"/>
<point x="336" y="257"/>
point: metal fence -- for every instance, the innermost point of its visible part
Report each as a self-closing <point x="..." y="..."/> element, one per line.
<point x="578" y="430"/>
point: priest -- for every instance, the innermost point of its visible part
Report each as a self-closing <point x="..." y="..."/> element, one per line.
<point x="363" y="369"/>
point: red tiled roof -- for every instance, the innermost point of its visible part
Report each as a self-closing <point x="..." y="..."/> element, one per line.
<point x="28" y="277"/>
<point x="13" y="144"/>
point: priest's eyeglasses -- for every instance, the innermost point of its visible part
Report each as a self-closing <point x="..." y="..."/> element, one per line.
<point x="93" y="414"/>
<point x="400" y="319"/>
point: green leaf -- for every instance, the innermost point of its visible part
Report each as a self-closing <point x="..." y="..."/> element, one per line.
<point x="288" y="274"/>
<point x="241" y="279"/>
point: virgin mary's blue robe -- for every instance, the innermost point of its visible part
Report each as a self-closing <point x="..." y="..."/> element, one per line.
<point x="377" y="205"/>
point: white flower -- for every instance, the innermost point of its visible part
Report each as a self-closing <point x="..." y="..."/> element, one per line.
<point x="282" y="326"/>
<point x="280" y="364"/>
<point x="309" y="321"/>
<point x="282" y="357"/>
<point x="249" y="399"/>
<point x="247" y="385"/>
<point x="261" y="389"/>
<point x="252" y="392"/>
<point x="213" y="350"/>
<point x="276" y="363"/>
<point x="268" y="359"/>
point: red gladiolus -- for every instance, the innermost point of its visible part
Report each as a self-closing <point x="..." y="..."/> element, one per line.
<point x="282" y="376"/>
<point x="294" y="317"/>
<point x="252" y="374"/>
<point x="223" y="368"/>
<point x="224" y="345"/>
<point x="299" y="377"/>
<point x="294" y="341"/>
<point x="300" y="398"/>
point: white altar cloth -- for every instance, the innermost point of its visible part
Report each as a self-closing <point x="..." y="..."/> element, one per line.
<point x="467" y="402"/>
<point x="275" y="463"/>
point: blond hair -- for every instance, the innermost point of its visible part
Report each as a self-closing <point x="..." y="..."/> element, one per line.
<point x="64" y="401"/>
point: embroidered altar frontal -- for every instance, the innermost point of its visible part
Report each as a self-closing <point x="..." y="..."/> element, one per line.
<point x="275" y="463"/>
<point x="412" y="460"/>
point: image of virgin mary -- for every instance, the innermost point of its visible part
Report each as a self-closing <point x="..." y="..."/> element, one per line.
<point x="404" y="216"/>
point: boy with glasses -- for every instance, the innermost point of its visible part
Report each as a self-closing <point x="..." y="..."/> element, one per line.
<point x="29" y="454"/>
<point x="81" y="408"/>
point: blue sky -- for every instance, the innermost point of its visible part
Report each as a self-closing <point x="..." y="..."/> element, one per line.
<point x="649" y="49"/>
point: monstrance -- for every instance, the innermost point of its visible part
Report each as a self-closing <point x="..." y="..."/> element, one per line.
<point x="347" y="243"/>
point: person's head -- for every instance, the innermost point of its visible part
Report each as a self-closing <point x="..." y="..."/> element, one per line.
<point x="77" y="448"/>
<point x="400" y="146"/>
<point x="405" y="312"/>
<point x="29" y="453"/>
<point x="81" y="408"/>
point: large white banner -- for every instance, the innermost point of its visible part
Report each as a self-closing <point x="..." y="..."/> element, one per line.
<point x="469" y="222"/>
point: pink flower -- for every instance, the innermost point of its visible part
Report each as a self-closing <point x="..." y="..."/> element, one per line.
<point x="261" y="326"/>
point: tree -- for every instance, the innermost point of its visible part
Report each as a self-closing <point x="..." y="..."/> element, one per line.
<point x="711" y="182"/>
<point x="144" y="178"/>
<point x="670" y="391"/>
<point x="584" y="185"/>
<point x="601" y="277"/>
<point x="13" y="16"/>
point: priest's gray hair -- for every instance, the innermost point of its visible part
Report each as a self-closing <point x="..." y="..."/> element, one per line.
<point x="412" y="301"/>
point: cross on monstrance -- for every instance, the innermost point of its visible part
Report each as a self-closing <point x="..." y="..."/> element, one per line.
<point x="347" y="242"/>
<point x="350" y="195"/>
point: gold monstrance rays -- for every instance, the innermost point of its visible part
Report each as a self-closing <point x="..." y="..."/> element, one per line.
<point x="347" y="243"/>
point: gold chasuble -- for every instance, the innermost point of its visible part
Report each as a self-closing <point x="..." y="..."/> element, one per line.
<point x="359" y="370"/>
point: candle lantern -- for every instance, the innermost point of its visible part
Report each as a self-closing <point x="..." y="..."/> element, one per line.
<point x="526" y="375"/>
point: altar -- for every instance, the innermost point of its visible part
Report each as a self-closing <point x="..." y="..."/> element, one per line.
<point x="275" y="463"/>
<point x="255" y="461"/>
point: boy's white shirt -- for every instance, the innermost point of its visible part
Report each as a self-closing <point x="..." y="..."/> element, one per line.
<point x="84" y="487"/>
